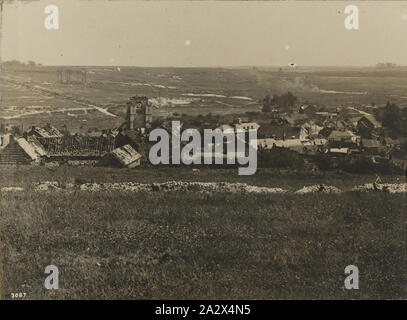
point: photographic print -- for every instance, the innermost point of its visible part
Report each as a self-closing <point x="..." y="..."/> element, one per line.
<point x="203" y="150"/>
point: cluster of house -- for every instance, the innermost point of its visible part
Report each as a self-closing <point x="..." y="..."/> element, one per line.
<point x="50" y="146"/>
<point x="306" y="131"/>
<point x="39" y="146"/>
<point x="310" y="132"/>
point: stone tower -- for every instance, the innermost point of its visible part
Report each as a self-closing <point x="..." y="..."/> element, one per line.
<point x="139" y="113"/>
<point x="148" y="116"/>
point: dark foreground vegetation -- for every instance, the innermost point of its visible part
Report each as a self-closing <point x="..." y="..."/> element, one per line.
<point x="111" y="245"/>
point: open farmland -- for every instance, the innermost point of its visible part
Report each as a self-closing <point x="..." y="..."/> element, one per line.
<point x="35" y="97"/>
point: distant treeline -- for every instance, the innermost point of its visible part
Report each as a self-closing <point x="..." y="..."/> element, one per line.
<point x="20" y="64"/>
<point x="386" y="65"/>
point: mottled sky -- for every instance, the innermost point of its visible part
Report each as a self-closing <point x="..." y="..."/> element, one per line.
<point x="211" y="33"/>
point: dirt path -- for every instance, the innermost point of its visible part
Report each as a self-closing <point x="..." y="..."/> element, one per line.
<point x="45" y="91"/>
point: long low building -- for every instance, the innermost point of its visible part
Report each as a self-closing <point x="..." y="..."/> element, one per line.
<point x="298" y="145"/>
<point x="269" y="143"/>
<point x="35" y="149"/>
<point x="77" y="146"/>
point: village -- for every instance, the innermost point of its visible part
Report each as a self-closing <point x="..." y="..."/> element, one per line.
<point x="203" y="151"/>
<point x="313" y="134"/>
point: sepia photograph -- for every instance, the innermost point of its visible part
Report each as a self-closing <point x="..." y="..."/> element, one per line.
<point x="203" y="150"/>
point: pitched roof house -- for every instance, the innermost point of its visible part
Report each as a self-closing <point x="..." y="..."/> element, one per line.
<point x="19" y="151"/>
<point x="48" y="131"/>
<point x="369" y="119"/>
<point x="278" y="132"/>
<point x="125" y="156"/>
<point x="366" y="124"/>
<point x="245" y="126"/>
<point x="372" y="146"/>
<point x="342" y="136"/>
<point x="304" y="147"/>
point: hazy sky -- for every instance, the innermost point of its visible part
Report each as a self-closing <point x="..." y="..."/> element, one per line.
<point x="192" y="33"/>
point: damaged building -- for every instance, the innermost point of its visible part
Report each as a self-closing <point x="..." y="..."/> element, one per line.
<point x="138" y="122"/>
<point x="113" y="147"/>
<point x="123" y="157"/>
<point x="48" y="131"/>
<point x="76" y="148"/>
<point x="21" y="152"/>
<point x="139" y="115"/>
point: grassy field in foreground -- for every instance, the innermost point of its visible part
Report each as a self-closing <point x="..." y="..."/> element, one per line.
<point x="112" y="245"/>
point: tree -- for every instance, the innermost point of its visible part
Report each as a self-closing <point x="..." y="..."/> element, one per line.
<point x="285" y="100"/>
<point x="392" y="119"/>
<point x="15" y="130"/>
<point x="280" y="158"/>
<point x="282" y="102"/>
<point x="267" y="104"/>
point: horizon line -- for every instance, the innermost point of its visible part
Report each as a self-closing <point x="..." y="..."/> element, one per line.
<point x="216" y="67"/>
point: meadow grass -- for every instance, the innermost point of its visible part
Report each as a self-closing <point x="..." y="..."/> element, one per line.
<point x="170" y="245"/>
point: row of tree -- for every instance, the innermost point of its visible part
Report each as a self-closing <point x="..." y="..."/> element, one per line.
<point x="16" y="63"/>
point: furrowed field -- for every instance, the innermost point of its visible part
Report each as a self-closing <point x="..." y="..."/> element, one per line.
<point x="118" y="245"/>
